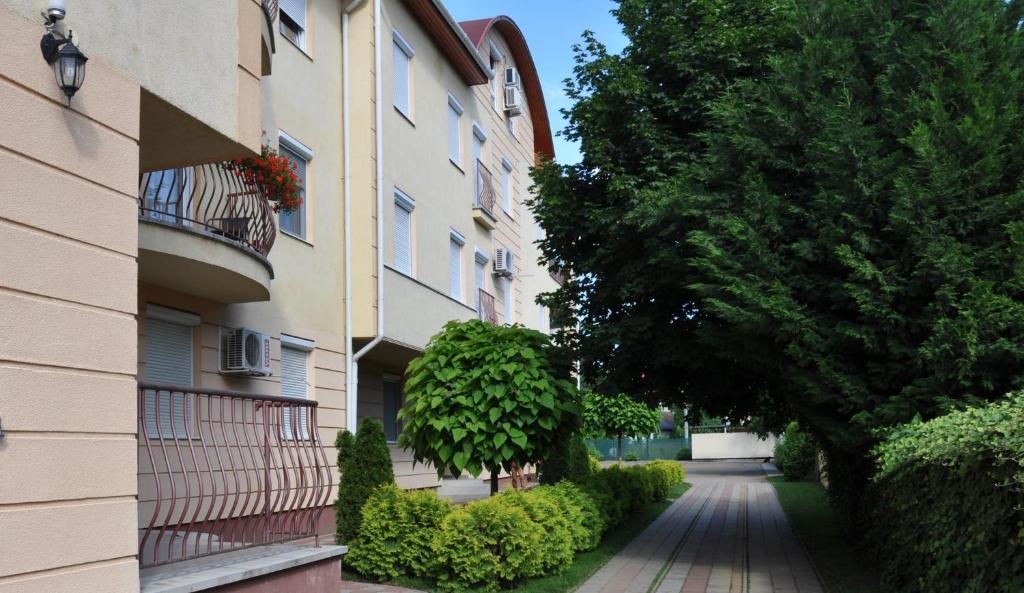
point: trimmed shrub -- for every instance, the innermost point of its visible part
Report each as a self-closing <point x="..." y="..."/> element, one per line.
<point x="579" y="460"/>
<point x="666" y="474"/>
<point x="368" y="467"/>
<point x="424" y="513"/>
<point x="377" y="551"/>
<point x="590" y="525"/>
<point x="795" y="453"/>
<point x="684" y="454"/>
<point x="567" y="461"/>
<point x="542" y="508"/>
<point x="487" y="544"/>
<point x="632" y="456"/>
<point x="946" y="502"/>
<point x="344" y="443"/>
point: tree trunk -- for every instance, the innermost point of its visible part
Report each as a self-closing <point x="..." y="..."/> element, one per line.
<point x="618" y="448"/>
<point x="494" y="482"/>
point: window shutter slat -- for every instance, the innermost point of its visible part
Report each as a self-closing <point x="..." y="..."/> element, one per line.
<point x="296" y="9"/>
<point x="403" y="239"/>
<point x="455" y="269"/>
<point x="295" y="383"/>
<point x="168" y="360"/>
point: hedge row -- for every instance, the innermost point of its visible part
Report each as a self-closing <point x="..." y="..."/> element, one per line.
<point x="948" y="502"/>
<point x="496" y="542"/>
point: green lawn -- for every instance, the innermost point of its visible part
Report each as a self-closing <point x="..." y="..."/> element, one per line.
<point x="585" y="564"/>
<point x="842" y="566"/>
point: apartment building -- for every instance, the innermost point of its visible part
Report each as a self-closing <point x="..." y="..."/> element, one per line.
<point x="440" y="230"/>
<point x="176" y="357"/>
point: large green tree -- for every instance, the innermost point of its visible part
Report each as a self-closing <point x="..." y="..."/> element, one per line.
<point x="798" y="207"/>
<point x="484" y="397"/>
<point x="618" y="416"/>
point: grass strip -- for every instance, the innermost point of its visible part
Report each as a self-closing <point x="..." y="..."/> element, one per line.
<point x="843" y="568"/>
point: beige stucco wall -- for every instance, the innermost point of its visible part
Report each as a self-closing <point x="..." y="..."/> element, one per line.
<point x="67" y="329"/>
<point x="201" y="57"/>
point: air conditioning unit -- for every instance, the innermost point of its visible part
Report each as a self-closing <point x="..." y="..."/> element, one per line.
<point x="512" y="77"/>
<point x="244" y="352"/>
<point x="504" y="263"/>
<point x="513" y="101"/>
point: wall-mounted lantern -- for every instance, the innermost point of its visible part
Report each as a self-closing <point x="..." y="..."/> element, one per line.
<point x="61" y="53"/>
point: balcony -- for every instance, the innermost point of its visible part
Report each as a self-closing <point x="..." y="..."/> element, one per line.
<point x="484" y="198"/>
<point x="486" y="309"/>
<point x="227" y="473"/>
<point x="205" y="232"/>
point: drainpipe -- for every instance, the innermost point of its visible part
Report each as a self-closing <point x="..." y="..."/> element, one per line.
<point x="352" y="371"/>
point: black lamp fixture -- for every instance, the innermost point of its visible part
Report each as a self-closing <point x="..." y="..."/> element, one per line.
<point x="61" y="53"/>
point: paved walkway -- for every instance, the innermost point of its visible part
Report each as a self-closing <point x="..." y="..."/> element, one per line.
<point x="727" y="534"/>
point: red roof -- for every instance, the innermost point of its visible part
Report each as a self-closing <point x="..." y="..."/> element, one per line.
<point x="477" y="31"/>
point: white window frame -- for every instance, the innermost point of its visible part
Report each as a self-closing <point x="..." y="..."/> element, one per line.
<point x="506" y="186"/>
<point x="301" y="26"/>
<point x="455" y="282"/>
<point x="498" y="57"/>
<point x="401" y="45"/>
<point x="479" y="257"/>
<point x="455" y="136"/>
<point x="305" y="347"/>
<point x="288" y="142"/>
<point x="190" y="320"/>
<point x="405" y="202"/>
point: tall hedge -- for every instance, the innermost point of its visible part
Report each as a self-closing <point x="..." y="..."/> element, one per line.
<point x="948" y="500"/>
<point x="368" y="467"/>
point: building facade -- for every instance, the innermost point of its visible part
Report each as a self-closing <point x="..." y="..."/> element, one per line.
<point x="177" y="357"/>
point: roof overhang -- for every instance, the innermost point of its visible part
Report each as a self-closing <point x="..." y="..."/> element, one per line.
<point x="451" y="39"/>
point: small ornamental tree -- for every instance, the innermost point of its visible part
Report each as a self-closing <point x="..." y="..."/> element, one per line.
<point x="344" y="444"/>
<point x="617" y="416"/>
<point x="368" y="466"/>
<point x="484" y="397"/>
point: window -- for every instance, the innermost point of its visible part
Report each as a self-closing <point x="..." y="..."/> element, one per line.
<point x="168" y="360"/>
<point x="293" y="22"/>
<point x="454" y="130"/>
<point x="455" y="243"/>
<point x="394" y="399"/>
<point x="402" y="54"/>
<point x="480" y="261"/>
<point x="506" y="186"/>
<point x="294" y="223"/>
<point x="403" y="232"/>
<point x="168" y="195"/>
<point x="295" y="383"/>
<point x="494" y="61"/>
<point x="508" y="301"/>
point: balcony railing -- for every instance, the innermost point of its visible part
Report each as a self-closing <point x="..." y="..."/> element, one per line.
<point x="486" y="310"/>
<point x="209" y="199"/>
<point x="221" y="471"/>
<point x="270" y="10"/>
<point x="485" y="195"/>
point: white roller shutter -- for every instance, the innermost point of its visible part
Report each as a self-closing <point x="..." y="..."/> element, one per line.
<point x="295" y="383"/>
<point x="403" y="239"/>
<point x="455" y="269"/>
<point x="296" y="9"/>
<point x="400" y="71"/>
<point x="168" y="360"/>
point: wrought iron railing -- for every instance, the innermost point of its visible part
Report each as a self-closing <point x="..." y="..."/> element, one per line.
<point x="270" y="8"/>
<point x="485" y="194"/>
<point x="211" y="199"/>
<point x="221" y="471"/>
<point x="486" y="309"/>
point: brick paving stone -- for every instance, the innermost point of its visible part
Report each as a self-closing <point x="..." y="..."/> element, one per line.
<point x="727" y="534"/>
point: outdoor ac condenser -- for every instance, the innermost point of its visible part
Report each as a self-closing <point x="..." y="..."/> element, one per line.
<point x="244" y="352"/>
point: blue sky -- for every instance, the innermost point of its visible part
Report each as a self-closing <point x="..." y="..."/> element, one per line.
<point x="551" y="28"/>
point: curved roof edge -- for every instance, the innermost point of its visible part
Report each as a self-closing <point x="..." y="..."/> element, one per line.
<point x="477" y="30"/>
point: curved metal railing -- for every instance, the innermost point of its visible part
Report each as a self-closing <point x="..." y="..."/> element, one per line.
<point x="221" y="471"/>
<point x="485" y="197"/>
<point x="210" y="199"/>
<point x="270" y="8"/>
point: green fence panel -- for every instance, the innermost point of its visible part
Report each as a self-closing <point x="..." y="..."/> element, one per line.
<point x="642" y="449"/>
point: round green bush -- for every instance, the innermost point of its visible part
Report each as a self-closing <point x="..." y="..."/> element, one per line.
<point x="422" y="513"/>
<point x="377" y="550"/>
<point x="684" y="454"/>
<point x="487" y="544"/>
<point x="632" y="456"/>
<point x="540" y="505"/>
<point x="795" y="454"/>
<point x="587" y="532"/>
<point x="664" y="475"/>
